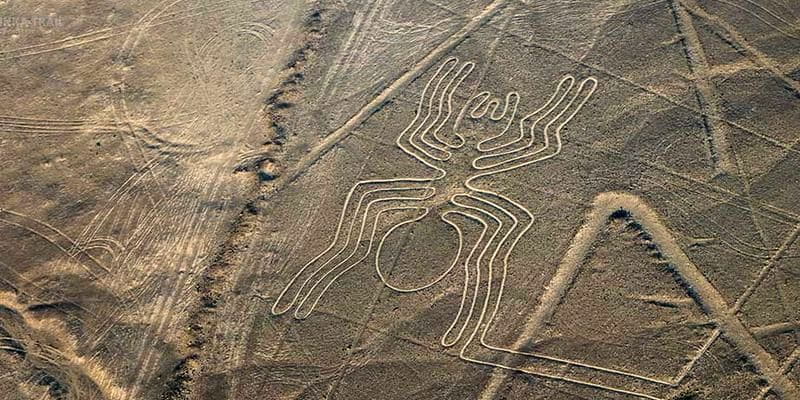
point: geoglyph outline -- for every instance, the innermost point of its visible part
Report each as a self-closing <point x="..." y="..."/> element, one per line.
<point x="489" y="209"/>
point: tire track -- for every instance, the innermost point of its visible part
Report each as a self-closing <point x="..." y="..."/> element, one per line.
<point x="212" y="288"/>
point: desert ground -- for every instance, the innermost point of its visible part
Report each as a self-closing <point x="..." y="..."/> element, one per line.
<point x="399" y="199"/>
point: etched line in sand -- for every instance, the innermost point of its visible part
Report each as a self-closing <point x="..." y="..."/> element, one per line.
<point x="704" y="292"/>
<point x="504" y="221"/>
<point x="359" y="117"/>
<point x="508" y="219"/>
<point x="149" y="20"/>
<point x="741" y="43"/>
<point x="775" y="329"/>
<point x="786" y="367"/>
<point x="59" y="239"/>
<point x="717" y="134"/>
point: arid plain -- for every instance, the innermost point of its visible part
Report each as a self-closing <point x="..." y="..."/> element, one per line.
<point x="387" y="199"/>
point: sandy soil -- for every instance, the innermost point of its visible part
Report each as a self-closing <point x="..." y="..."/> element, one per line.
<point x="385" y="199"/>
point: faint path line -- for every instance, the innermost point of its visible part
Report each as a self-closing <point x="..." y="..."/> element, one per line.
<point x="363" y="326"/>
<point x="389" y="333"/>
<point x="789" y="216"/>
<point x="735" y="37"/>
<point x="365" y="112"/>
<point x="714" y="231"/>
<point x="787" y="147"/>
<point x="787" y="315"/>
<point x="342" y="58"/>
<point x="775" y="329"/>
<point x="712" y="301"/>
<point x="504" y="19"/>
<point x="72" y="252"/>
<point x="722" y="153"/>
<point x="105" y="33"/>
<point x="709" y="225"/>
<point x="762" y="275"/>
<point x="56" y="42"/>
<point x="768" y="267"/>
<point x="69" y="42"/>
<point x="762" y="19"/>
<point x="786" y="367"/>
<point x="716" y="135"/>
<point x="764" y="62"/>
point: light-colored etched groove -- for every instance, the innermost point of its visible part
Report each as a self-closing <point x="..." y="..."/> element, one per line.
<point x="717" y="134"/>
<point x="359" y="117"/>
<point x="705" y="293"/>
<point x="736" y="37"/>
<point x="775" y="329"/>
<point x="57" y="238"/>
<point x="786" y="367"/>
<point x="504" y="221"/>
<point x="764" y="20"/>
<point x="104" y="34"/>
<point x="436" y="94"/>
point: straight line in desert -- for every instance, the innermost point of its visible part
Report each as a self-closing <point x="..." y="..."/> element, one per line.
<point x="775" y="329"/>
<point x="704" y="292"/>
<point x="732" y="33"/>
<point x="718" y="134"/>
<point x="113" y="31"/>
<point x="787" y="147"/>
<point x="365" y="112"/>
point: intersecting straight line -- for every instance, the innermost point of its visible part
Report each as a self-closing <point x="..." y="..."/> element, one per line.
<point x="369" y="327"/>
<point x="788" y="241"/>
<point x="367" y="110"/>
<point x="363" y="325"/>
<point x="788" y="216"/>
<point x="622" y="79"/>
<point x="785" y="146"/>
<point x="768" y="267"/>
<point x="418" y="343"/>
